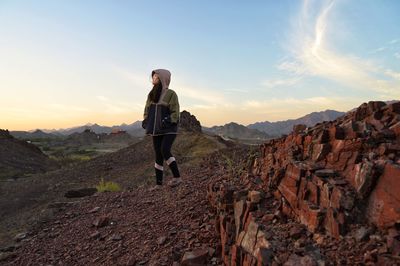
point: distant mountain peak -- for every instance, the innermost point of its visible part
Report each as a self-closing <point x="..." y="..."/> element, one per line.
<point x="286" y="126"/>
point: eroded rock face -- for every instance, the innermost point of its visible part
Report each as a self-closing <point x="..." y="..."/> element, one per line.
<point x="189" y="122"/>
<point x="338" y="172"/>
<point x="383" y="203"/>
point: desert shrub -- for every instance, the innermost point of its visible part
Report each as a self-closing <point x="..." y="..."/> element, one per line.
<point x="107" y="186"/>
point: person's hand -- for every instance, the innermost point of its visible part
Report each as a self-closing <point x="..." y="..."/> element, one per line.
<point x="166" y="122"/>
<point x="144" y="123"/>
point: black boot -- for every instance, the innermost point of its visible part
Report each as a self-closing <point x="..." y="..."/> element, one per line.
<point x="174" y="169"/>
<point x="159" y="176"/>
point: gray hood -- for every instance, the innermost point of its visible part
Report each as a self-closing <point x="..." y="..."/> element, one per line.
<point x="165" y="77"/>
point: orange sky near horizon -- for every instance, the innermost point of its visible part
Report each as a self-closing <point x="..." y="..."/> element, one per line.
<point x="213" y="116"/>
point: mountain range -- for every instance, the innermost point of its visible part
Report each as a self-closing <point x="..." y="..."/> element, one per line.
<point x="285" y="127"/>
<point x="258" y="130"/>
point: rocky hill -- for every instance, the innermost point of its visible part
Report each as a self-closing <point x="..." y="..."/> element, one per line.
<point x="189" y="122"/>
<point x="19" y="158"/>
<point x="237" y="131"/>
<point x="37" y="134"/>
<point x="285" y="127"/>
<point x="86" y="137"/>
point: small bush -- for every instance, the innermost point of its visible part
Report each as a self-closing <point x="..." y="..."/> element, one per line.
<point x="107" y="186"/>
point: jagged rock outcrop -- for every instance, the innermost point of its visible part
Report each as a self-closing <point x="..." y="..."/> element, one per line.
<point x="237" y="131"/>
<point x="338" y="172"/>
<point x="326" y="194"/>
<point x="189" y="122"/>
<point x="86" y="137"/>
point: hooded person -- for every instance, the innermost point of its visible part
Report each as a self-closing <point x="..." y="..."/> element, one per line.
<point x="160" y="120"/>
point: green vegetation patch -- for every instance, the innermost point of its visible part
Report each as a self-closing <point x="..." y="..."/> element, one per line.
<point x="109" y="186"/>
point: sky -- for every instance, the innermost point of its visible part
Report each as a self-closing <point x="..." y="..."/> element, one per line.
<point x="67" y="63"/>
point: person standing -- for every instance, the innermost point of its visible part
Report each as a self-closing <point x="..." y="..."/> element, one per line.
<point x="160" y="120"/>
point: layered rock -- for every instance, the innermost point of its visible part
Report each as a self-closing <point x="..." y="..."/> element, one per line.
<point x="337" y="173"/>
<point x="243" y="242"/>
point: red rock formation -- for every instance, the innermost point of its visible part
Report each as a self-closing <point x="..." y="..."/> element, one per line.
<point x="338" y="172"/>
<point x="339" y="179"/>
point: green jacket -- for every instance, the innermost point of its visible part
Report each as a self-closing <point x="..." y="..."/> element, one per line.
<point x="163" y="117"/>
<point x="169" y="99"/>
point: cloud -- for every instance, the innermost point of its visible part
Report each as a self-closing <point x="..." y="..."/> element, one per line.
<point x="67" y="108"/>
<point x="293" y="102"/>
<point x="112" y="107"/>
<point x="380" y="49"/>
<point x="199" y="94"/>
<point x="312" y="54"/>
<point x="102" y="98"/>
<point x="397" y="55"/>
<point x="393" y="74"/>
<point x="281" y="82"/>
<point x="236" y="90"/>
<point x="292" y="66"/>
<point x="137" y="78"/>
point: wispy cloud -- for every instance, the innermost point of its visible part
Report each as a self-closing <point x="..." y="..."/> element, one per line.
<point x="236" y="90"/>
<point x="380" y="49"/>
<point x="390" y="45"/>
<point x="393" y="74"/>
<point x="102" y="98"/>
<point x="281" y="82"/>
<point x="139" y="79"/>
<point x="204" y="95"/>
<point x="283" y="103"/>
<point x="67" y="108"/>
<point x="312" y="54"/>
<point x="112" y="107"/>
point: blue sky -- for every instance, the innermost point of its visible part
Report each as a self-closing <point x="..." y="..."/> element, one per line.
<point x="68" y="63"/>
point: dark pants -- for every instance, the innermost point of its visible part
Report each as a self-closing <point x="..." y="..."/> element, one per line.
<point x="162" y="147"/>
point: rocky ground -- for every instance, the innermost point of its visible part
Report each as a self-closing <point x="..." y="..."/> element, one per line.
<point x="23" y="202"/>
<point x="134" y="227"/>
<point x="137" y="227"/>
<point x="182" y="226"/>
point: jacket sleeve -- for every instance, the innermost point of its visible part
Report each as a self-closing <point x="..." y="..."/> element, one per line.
<point x="174" y="108"/>
<point x="146" y="108"/>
